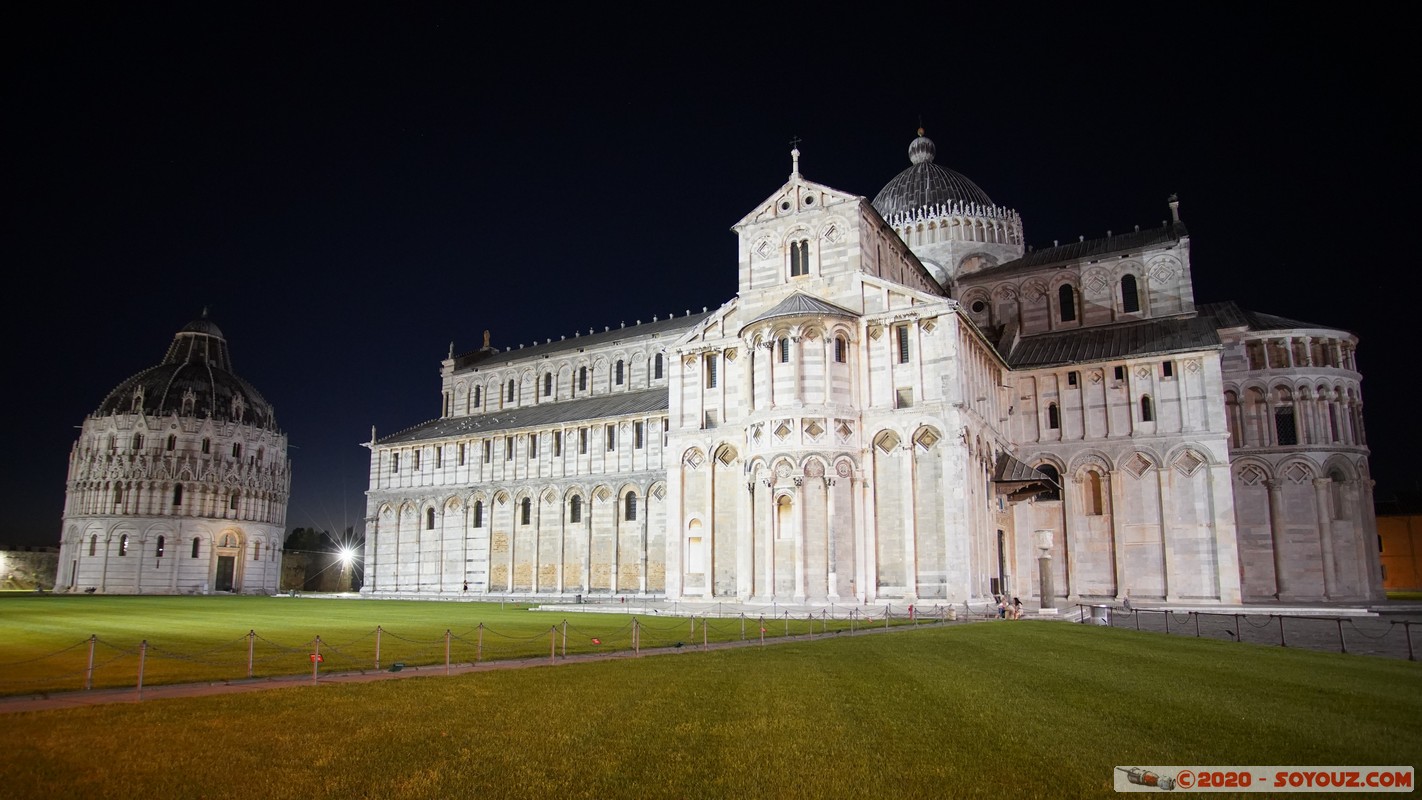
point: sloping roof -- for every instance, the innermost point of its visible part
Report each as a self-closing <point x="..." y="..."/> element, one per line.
<point x="1018" y="481"/>
<point x="1148" y="337"/>
<point x="1076" y="251"/>
<point x="1228" y="314"/>
<point x="664" y="326"/>
<point x="800" y="304"/>
<point x="613" y="405"/>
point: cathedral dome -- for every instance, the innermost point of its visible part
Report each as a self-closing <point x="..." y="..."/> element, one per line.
<point x="926" y="185"/>
<point x="195" y="379"/>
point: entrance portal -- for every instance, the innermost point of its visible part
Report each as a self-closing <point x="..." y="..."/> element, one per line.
<point x="225" y="567"/>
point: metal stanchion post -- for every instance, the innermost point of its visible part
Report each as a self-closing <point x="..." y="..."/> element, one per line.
<point x="446" y="651"/>
<point x="142" y="657"/>
<point x="1282" y="643"/>
<point x="89" y="673"/>
<point x="377" y="646"/>
<point x="565" y="638"/>
<point x="251" y="640"/>
<point x="316" y="660"/>
<point x="1196" y="615"/>
<point x="552" y="644"/>
<point x="1342" y="643"/>
<point x="479" y="652"/>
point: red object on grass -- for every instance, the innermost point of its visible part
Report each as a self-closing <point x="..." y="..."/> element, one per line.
<point x="597" y="641"/>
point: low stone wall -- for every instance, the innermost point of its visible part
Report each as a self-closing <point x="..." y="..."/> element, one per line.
<point x="28" y="568"/>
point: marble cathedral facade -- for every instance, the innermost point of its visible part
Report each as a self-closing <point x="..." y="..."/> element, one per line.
<point x="901" y="402"/>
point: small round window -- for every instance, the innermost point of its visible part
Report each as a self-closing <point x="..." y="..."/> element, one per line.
<point x="785" y="205"/>
<point x="809" y="201"/>
<point x="979" y="306"/>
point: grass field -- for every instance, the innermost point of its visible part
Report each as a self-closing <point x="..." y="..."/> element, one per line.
<point x="1031" y="709"/>
<point x="44" y="647"/>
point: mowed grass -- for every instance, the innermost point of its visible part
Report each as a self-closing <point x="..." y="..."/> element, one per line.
<point x="993" y="710"/>
<point x="44" y="647"/>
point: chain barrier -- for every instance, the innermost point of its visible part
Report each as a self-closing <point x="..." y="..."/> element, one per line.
<point x="1313" y="638"/>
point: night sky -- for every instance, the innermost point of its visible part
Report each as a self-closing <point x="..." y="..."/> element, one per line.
<point x="351" y="189"/>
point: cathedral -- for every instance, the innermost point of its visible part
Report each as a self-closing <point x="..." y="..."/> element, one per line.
<point x="901" y="402"/>
<point x="178" y="483"/>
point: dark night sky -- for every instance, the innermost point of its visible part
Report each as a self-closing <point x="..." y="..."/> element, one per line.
<point x="351" y="189"/>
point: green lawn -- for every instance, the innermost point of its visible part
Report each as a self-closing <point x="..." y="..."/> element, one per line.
<point x="994" y="710"/>
<point x="44" y="647"/>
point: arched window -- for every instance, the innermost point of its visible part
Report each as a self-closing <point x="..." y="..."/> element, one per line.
<point x="525" y="511"/>
<point x="123" y="545"/>
<point x="118" y="495"/>
<point x="783" y="517"/>
<point x="138" y="441"/>
<point x="394" y="462"/>
<point x="172" y="442"/>
<point x="1147" y="410"/>
<point x="93" y="544"/>
<point x="232" y="503"/>
<point x="178" y="495"/>
<point x="1066" y="299"/>
<point x="1130" y="295"/>
<point x="197" y="547"/>
<point x="784" y="345"/>
<point x="1055" y="491"/>
<point x="478" y="396"/>
<point x="1340" y="508"/>
<point x="162" y="541"/>
<point x="478" y="521"/>
<point x="511" y="390"/>
<point x="547" y="384"/>
<point x="629" y="510"/>
<point x="657" y="367"/>
<point x="429" y="519"/>
<point x="206" y="446"/>
<point x="236" y="450"/>
<point x="575" y="509"/>
<point x="710" y="361"/>
<point x="1054" y="417"/>
<point x="617" y="373"/>
<point x="1093" y="493"/>
<point x="582" y="379"/>
<point x="841" y="350"/>
<point x="799" y="258"/>
<point x="256" y="551"/>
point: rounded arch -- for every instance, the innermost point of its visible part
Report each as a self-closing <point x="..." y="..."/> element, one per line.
<point x="813" y="466"/>
<point x="1088" y="459"/>
<point x="1340" y="464"/>
<point x="453" y="504"/>
<point x="1176" y="452"/>
<point x="927" y="436"/>
<point x="726" y="454"/>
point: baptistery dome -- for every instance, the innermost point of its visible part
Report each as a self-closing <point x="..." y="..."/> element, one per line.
<point x="195" y="379"/>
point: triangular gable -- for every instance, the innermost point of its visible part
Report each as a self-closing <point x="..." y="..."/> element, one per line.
<point x="770" y="208"/>
<point x="720" y="316"/>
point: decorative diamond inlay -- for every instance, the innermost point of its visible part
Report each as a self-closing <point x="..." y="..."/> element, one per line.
<point x="876" y="332"/>
<point x="1137" y="465"/>
<point x="814" y="429"/>
<point x="603" y="494"/>
<point x="1251" y="476"/>
<point x="660" y="492"/>
<point x="757" y="431"/>
<point x="1192" y="366"/>
<point x="926" y="438"/>
<point x="1096" y="376"/>
<point x="1189" y="463"/>
<point x="1097" y="284"/>
<point x="886" y="441"/>
<point x="844" y="429"/>
<point x="731" y="354"/>
<point x="763" y="248"/>
<point x="1296" y="473"/>
<point x="782" y="430"/>
<point x="1143" y="372"/>
<point x="928" y="326"/>
<point x="693" y="459"/>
